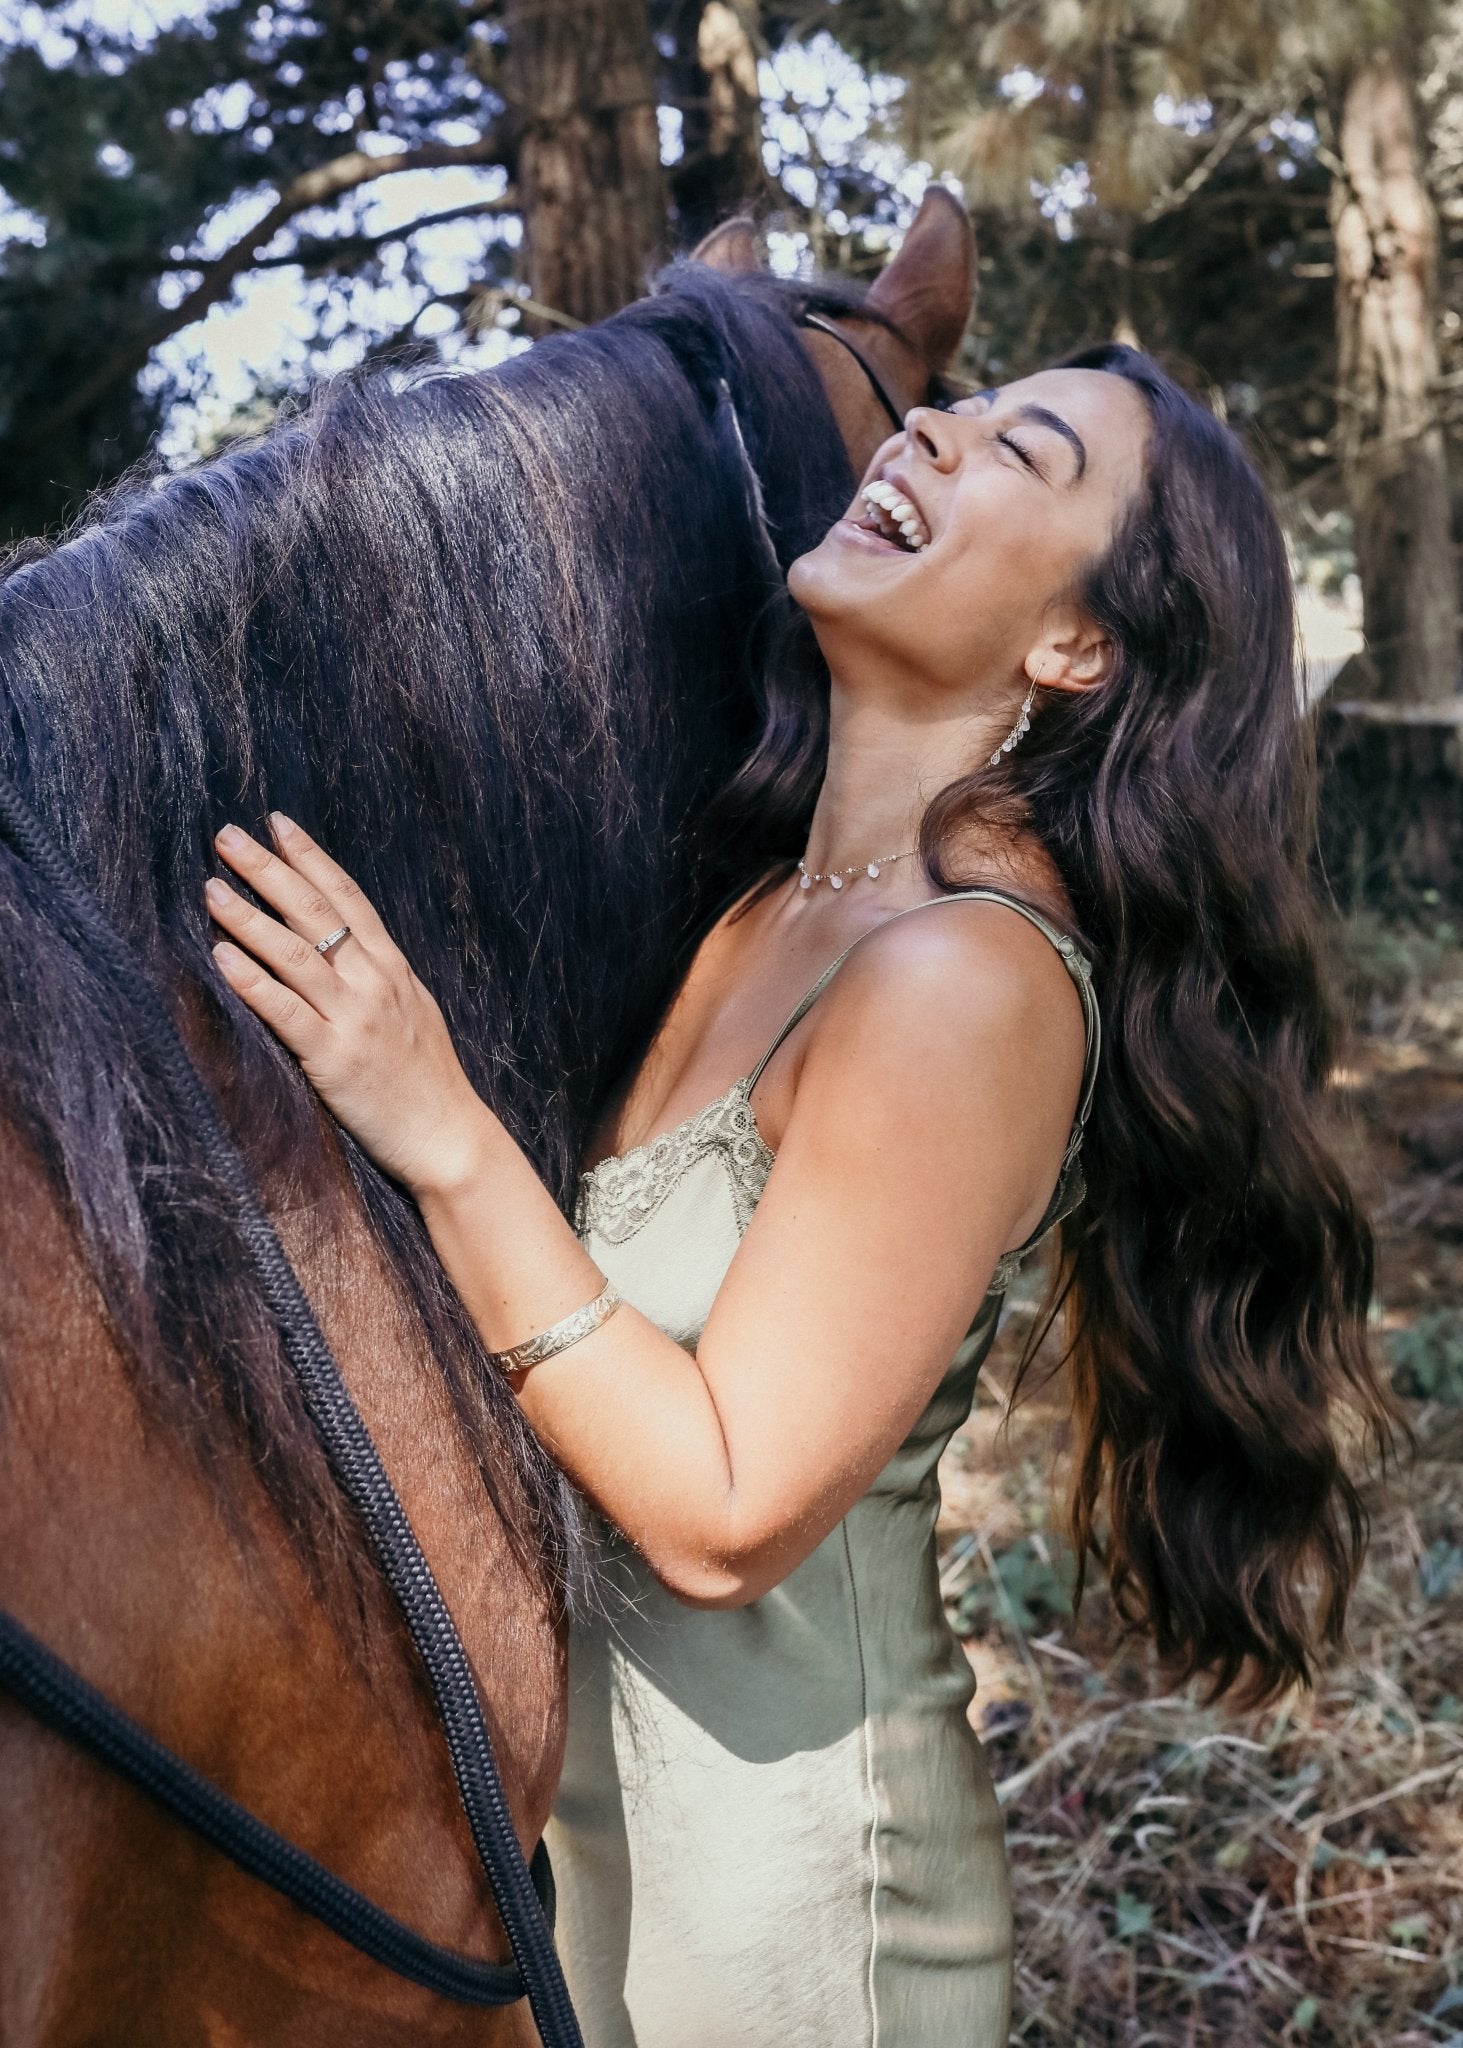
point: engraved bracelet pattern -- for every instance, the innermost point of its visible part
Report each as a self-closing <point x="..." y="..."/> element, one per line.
<point x="560" y="1335"/>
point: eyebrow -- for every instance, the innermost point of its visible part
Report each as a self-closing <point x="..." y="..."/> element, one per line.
<point x="1042" y="416"/>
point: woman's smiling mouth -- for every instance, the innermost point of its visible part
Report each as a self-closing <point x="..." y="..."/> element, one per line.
<point x="893" y="517"/>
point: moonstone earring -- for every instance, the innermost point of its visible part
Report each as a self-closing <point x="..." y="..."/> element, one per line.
<point x="1022" y="725"/>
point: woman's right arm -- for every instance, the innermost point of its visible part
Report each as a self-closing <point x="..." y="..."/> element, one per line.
<point x="930" y="1115"/>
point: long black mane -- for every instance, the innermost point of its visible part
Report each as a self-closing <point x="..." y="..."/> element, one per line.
<point x="495" y="639"/>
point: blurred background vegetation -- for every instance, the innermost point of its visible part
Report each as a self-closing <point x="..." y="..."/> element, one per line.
<point x="204" y="204"/>
<point x="1196" y="1878"/>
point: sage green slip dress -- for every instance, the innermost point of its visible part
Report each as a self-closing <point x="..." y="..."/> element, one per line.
<point x="775" y="1827"/>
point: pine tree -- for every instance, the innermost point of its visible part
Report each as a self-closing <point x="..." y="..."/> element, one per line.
<point x="1116" y="116"/>
<point x="124" y="159"/>
<point x="1390" y="432"/>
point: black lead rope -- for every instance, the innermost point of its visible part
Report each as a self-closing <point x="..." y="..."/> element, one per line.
<point x="54" y="1694"/>
<point x="357" y="1466"/>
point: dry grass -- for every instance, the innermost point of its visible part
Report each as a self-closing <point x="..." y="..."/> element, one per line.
<point x="1199" y="1877"/>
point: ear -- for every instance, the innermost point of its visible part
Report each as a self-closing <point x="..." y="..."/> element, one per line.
<point x="1074" y="653"/>
<point x="734" y="246"/>
<point x="928" y="287"/>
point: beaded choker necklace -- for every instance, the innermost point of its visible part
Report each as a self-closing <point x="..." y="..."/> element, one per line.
<point x="835" y="876"/>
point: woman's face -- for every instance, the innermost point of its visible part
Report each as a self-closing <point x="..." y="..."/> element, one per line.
<point x="957" y="560"/>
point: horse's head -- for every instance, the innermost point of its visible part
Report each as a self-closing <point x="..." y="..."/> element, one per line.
<point x="891" y="350"/>
<point x="498" y="639"/>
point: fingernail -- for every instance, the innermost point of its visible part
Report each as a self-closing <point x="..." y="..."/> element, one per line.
<point x="282" y="825"/>
<point x="227" y="955"/>
<point x="217" y="892"/>
<point x="231" y="836"/>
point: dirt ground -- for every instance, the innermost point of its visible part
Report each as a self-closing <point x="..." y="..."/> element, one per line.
<point x="1199" y="1877"/>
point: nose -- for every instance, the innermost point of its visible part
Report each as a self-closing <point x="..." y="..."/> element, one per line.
<point x="933" y="433"/>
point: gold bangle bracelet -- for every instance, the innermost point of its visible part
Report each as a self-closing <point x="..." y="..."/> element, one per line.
<point x="560" y="1335"/>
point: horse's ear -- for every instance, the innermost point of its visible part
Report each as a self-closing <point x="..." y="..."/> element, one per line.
<point x="733" y="246"/>
<point x="928" y="287"/>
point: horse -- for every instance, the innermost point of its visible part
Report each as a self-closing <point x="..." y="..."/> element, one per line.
<point x="497" y="638"/>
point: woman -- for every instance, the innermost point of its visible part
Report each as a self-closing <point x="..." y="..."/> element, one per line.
<point x="1057" y="630"/>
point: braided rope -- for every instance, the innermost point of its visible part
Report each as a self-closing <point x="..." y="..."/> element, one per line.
<point x="347" y="1442"/>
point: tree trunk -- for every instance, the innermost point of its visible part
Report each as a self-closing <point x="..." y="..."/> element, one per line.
<point x="579" y="79"/>
<point x="1392" y="453"/>
<point x="1391" y="819"/>
<point x="711" y="75"/>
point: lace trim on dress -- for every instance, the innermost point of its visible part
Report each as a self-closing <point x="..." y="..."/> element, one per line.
<point x="623" y="1192"/>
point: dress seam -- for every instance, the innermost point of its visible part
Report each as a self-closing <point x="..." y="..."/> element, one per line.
<point x="866" y="1748"/>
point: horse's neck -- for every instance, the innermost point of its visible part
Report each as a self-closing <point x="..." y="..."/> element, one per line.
<point x="113" y="1551"/>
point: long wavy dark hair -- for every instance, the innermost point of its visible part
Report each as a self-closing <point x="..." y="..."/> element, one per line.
<point x="491" y="638"/>
<point x="1216" y="1281"/>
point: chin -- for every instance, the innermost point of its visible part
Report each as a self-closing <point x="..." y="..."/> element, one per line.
<point x="799" y="575"/>
<point x="819" y="582"/>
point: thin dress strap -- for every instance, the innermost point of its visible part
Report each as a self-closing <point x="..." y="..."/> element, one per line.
<point x="1077" y="963"/>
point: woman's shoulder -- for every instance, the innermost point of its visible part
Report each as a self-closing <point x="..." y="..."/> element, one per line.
<point x="958" y="985"/>
<point x="956" y="951"/>
<point x="943" y="1074"/>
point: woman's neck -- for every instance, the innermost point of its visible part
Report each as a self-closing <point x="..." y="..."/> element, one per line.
<point x="887" y="757"/>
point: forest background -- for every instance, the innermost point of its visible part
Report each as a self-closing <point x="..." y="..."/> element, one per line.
<point x="206" y="204"/>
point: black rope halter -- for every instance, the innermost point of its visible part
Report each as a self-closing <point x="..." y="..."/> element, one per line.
<point x="876" y="383"/>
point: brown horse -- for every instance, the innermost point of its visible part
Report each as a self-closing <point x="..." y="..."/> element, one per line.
<point x="192" y="1605"/>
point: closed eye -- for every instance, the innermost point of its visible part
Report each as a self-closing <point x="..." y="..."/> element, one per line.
<point x="1017" y="450"/>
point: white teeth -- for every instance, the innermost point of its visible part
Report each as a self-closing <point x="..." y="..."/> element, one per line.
<point x="883" y="497"/>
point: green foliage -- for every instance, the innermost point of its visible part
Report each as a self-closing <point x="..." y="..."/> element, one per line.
<point x="1155" y="172"/>
<point x="1411" y="1930"/>
<point x="125" y="149"/>
<point x="1440" y="1570"/>
<point x="1196" y="137"/>
<point x="1131" y="1917"/>
<point x="1383" y="954"/>
<point x="1427" y="1357"/>
<point x="1032" y="1586"/>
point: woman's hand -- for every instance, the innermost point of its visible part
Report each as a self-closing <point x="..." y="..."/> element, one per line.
<point x="369" y="1036"/>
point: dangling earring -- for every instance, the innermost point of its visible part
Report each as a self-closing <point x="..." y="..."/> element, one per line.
<point x="1023" y="723"/>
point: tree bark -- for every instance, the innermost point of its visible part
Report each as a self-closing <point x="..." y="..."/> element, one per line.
<point x="580" y="83"/>
<point x="1392" y="452"/>
<point x="711" y="49"/>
